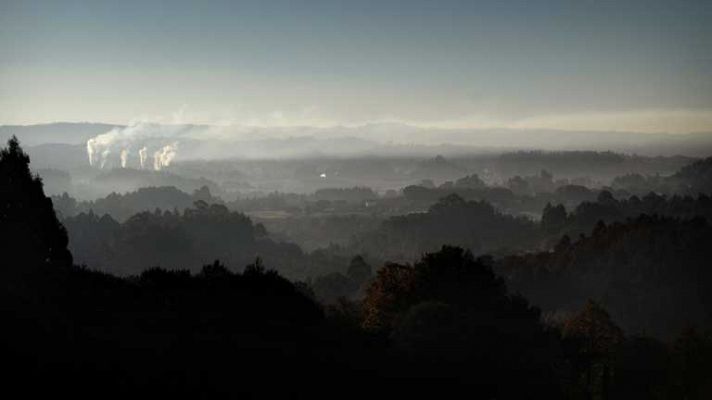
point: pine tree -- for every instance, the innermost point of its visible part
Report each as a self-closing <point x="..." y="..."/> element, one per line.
<point x="30" y="233"/>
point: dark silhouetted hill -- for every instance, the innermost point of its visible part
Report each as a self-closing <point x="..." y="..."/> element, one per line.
<point x="651" y="273"/>
<point x="474" y="225"/>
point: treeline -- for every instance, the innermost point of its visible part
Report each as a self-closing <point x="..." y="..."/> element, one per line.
<point x="652" y="273"/>
<point x="556" y="221"/>
<point x="69" y="331"/>
<point x="482" y="228"/>
<point x="355" y="194"/>
<point x="122" y="206"/>
<point x="477" y="226"/>
<point x="186" y="239"/>
<point x="598" y="164"/>
<point x="519" y="195"/>
<point x="691" y="179"/>
<point x="450" y="310"/>
<point x="474" y="225"/>
<point x="194" y="236"/>
<point x="339" y="215"/>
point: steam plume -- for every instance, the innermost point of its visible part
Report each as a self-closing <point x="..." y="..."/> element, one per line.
<point x="145" y="136"/>
<point x="142" y="155"/>
<point x="124" y="157"/>
<point x="104" y="157"/>
<point x="90" y="151"/>
<point x="163" y="157"/>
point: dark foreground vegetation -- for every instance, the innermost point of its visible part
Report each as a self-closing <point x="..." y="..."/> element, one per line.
<point x="445" y="325"/>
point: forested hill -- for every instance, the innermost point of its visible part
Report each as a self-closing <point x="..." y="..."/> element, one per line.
<point x="182" y="240"/>
<point x="651" y="273"/>
<point x="474" y="225"/>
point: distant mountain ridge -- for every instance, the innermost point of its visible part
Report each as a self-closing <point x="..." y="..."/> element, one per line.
<point x="381" y="138"/>
<point x="54" y="133"/>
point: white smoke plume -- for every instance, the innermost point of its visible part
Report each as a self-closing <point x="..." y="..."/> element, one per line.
<point x="99" y="148"/>
<point x="90" y="151"/>
<point x="124" y="157"/>
<point x="104" y="157"/>
<point x="142" y="156"/>
<point x="162" y="139"/>
<point x="163" y="157"/>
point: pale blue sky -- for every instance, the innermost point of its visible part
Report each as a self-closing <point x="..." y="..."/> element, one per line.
<point x="578" y="64"/>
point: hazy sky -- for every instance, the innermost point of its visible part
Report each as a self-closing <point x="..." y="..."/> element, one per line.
<point x="576" y="64"/>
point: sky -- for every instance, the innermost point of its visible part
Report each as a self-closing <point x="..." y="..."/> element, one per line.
<point x="578" y="64"/>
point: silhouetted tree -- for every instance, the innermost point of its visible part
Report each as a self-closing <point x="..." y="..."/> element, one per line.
<point x="359" y="270"/>
<point x="390" y="293"/>
<point x="651" y="271"/>
<point x="330" y="287"/>
<point x="593" y="336"/>
<point x="450" y="308"/>
<point x="471" y="181"/>
<point x="553" y="218"/>
<point x="30" y="233"/>
<point x="216" y="270"/>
